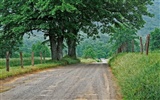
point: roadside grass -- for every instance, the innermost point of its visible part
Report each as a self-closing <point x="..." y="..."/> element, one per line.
<point x="87" y="61"/>
<point x="137" y="75"/>
<point x="16" y="70"/>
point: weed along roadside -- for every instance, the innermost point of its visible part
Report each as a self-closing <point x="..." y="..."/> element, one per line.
<point x="138" y="76"/>
<point x="17" y="70"/>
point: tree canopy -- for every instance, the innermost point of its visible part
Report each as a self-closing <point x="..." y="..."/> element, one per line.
<point x="62" y="19"/>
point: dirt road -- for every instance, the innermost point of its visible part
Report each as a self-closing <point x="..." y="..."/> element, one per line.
<point x="74" y="82"/>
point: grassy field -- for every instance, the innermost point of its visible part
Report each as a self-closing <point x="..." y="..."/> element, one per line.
<point x="14" y="62"/>
<point x="16" y="70"/>
<point x="137" y="75"/>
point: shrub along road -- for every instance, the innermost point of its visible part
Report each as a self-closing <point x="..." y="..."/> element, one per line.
<point x="73" y="82"/>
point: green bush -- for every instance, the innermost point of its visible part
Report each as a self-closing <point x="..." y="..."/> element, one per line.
<point x="69" y="60"/>
<point x="138" y="75"/>
<point x="155" y="39"/>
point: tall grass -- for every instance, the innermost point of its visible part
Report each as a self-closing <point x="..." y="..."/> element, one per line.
<point x="138" y="75"/>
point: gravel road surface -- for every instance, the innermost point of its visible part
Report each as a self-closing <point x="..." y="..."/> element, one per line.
<point x="74" y="82"/>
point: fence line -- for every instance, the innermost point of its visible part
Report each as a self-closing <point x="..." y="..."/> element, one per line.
<point x="22" y="61"/>
<point x="122" y="47"/>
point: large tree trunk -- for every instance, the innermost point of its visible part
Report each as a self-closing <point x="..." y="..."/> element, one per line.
<point x="71" y="42"/>
<point x="119" y="49"/>
<point x="53" y="45"/>
<point x="71" y="48"/>
<point x="60" y="48"/>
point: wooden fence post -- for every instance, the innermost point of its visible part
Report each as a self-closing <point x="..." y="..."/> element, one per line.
<point x="147" y="43"/>
<point x="40" y="56"/>
<point x="7" y="61"/>
<point x="21" y="58"/>
<point x="141" y="45"/>
<point x="32" y="58"/>
<point x="132" y="45"/>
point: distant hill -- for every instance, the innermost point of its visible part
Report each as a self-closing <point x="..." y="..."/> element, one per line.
<point x="151" y="23"/>
<point x="37" y="36"/>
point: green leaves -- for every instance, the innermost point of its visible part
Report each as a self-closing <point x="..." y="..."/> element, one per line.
<point x="63" y="17"/>
<point x="89" y="52"/>
<point x="38" y="47"/>
<point x="155" y="39"/>
<point x="122" y="36"/>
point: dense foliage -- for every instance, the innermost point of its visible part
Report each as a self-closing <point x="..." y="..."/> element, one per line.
<point x="40" y="48"/>
<point x="123" y="40"/>
<point x="155" y="39"/>
<point x="10" y="45"/>
<point x="90" y="48"/>
<point x="89" y="52"/>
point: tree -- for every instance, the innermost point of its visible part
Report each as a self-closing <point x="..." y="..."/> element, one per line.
<point x="106" y="14"/>
<point x="9" y="43"/>
<point x="36" y="15"/>
<point x="89" y="52"/>
<point x="155" y="39"/>
<point x="39" y="47"/>
<point x="55" y="16"/>
<point x="122" y="39"/>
